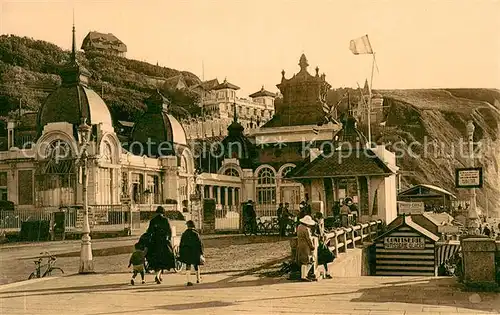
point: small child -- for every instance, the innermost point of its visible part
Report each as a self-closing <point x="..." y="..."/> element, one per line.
<point x="191" y="251"/>
<point x="137" y="260"/>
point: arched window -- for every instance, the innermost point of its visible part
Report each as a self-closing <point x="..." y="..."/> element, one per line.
<point x="107" y="152"/>
<point x="183" y="164"/>
<point x="58" y="149"/>
<point x="231" y="172"/>
<point x="266" y="186"/>
<point x="286" y="170"/>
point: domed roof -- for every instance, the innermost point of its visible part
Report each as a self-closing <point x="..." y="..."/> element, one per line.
<point x="157" y="127"/>
<point x="236" y="145"/>
<point x="71" y="104"/>
<point x="74" y="101"/>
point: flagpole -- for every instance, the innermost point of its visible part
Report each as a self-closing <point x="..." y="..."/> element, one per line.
<point x="370" y="104"/>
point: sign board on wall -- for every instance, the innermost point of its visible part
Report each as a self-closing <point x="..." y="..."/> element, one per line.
<point x="410" y="207"/>
<point x="471" y="177"/>
<point x="404" y="242"/>
<point x="100" y="215"/>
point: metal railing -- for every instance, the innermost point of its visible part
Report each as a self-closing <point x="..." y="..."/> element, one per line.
<point x="101" y="218"/>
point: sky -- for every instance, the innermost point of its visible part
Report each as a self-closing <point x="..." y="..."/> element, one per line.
<point x="418" y="44"/>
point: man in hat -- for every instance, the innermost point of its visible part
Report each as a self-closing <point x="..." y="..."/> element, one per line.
<point x="249" y="216"/>
<point x="345" y="210"/>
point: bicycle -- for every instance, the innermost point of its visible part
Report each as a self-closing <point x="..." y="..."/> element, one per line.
<point x="273" y="226"/>
<point x="51" y="260"/>
<point x="178" y="264"/>
<point x="261" y="227"/>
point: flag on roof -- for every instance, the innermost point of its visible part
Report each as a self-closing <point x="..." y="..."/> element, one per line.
<point x="361" y="46"/>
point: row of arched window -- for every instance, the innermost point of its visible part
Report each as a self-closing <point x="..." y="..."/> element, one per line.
<point x="266" y="182"/>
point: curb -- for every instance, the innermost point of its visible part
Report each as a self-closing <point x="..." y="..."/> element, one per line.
<point x="25" y="282"/>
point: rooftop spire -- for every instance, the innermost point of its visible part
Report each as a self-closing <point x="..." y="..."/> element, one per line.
<point x="73" y="45"/>
<point x="303" y="63"/>
<point x="235" y="114"/>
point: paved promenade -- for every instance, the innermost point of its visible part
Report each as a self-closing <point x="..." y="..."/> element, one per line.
<point x="242" y="294"/>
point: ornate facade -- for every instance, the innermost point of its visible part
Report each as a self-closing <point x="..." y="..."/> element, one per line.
<point x="219" y="100"/>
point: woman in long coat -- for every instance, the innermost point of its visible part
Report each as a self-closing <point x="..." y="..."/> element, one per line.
<point x="160" y="254"/>
<point x="191" y="250"/>
<point x="305" y="246"/>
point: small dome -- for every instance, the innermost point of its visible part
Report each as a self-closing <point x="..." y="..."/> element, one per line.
<point x="162" y="130"/>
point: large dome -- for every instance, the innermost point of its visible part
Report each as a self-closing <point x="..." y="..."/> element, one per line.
<point x="158" y="128"/>
<point x="73" y="103"/>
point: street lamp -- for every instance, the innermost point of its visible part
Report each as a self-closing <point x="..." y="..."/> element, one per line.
<point x="86" y="262"/>
<point x="471" y="212"/>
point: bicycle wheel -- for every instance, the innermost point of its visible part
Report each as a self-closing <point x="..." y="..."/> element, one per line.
<point x="52" y="269"/>
<point x="261" y="227"/>
<point x="247" y="229"/>
<point x="178" y="264"/>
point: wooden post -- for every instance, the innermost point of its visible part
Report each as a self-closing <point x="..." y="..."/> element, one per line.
<point x="353" y="237"/>
<point x="336" y="243"/>
<point x="344" y="238"/>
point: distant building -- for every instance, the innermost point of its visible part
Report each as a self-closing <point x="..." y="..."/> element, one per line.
<point x="219" y="101"/>
<point x="104" y="43"/>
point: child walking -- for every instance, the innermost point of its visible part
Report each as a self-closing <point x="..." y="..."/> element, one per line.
<point x="137" y="260"/>
<point x="191" y="251"/>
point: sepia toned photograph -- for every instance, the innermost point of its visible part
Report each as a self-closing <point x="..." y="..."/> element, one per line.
<point x="249" y="157"/>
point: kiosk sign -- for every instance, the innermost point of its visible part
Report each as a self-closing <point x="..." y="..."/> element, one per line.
<point x="469" y="177"/>
<point x="410" y="207"/>
<point x="404" y="243"/>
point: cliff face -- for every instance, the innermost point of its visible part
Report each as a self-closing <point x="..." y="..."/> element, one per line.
<point x="427" y="130"/>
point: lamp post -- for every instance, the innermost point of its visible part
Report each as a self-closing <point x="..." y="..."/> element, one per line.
<point x="471" y="212"/>
<point x="86" y="261"/>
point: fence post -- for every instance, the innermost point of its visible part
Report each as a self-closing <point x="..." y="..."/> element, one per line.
<point x="344" y="238"/>
<point x="353" y="236"/>
<point x="362" y="233"/>
<point x="336" y="243"/>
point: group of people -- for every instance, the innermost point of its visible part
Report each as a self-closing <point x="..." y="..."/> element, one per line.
<point x="306" y="229"/>
<point x="490" y="231"/>
<point x="155" y="249"/>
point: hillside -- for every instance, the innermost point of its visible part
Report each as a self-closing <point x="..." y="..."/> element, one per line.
<point x="437" y="120"/>
<point x="28" y="73"/>
<point x="29" y="68"/>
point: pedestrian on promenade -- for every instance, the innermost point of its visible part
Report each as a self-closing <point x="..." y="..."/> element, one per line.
<point x="160" y="255"/>
<point x="250" y="216"/>
<point x="191" y="251"/>
<point x="325" y="256"/>
<point x="305" y="246"/>
<point x="137" y="260"/>
<point x="345" y="210"/>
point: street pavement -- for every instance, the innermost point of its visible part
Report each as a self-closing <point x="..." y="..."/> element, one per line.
<point x="242" y="293"/>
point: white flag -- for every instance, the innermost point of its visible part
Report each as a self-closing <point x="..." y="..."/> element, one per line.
<point x="361" y="46"/>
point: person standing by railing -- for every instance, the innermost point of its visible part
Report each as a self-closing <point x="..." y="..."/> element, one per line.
<point x="325" y="256"/>
<point x="305" y="246"/>
<point x="345" y="211"/>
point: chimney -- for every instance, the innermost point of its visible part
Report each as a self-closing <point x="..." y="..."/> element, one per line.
<point x="11" y="127"/>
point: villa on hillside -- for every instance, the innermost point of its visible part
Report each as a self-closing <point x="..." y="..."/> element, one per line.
<point x="104" y="43"/>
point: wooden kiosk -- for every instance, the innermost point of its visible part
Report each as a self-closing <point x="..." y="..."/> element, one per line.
<point x="407" y="249"/>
